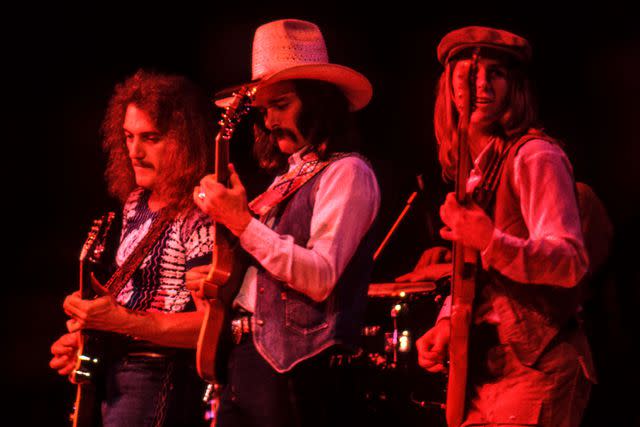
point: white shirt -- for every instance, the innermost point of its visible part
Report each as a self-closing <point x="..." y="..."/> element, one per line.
<point x="554" y="253"/>
<point x="347" y="202"/>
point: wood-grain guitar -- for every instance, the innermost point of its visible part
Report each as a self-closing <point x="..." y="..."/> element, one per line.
<point x="223" y="280"/>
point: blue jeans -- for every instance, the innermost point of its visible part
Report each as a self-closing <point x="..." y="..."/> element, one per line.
<point x="313" y="393"/>
<point x="146" y="391"/>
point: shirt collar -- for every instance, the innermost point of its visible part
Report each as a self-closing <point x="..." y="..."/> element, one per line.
<point x="298" y="157"/>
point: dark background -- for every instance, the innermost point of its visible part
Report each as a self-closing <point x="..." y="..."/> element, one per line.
<point x="63" y="63"/>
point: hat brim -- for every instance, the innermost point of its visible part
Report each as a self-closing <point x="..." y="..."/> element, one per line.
<point x="356" y="87"/>
<point x="515" y="53"/>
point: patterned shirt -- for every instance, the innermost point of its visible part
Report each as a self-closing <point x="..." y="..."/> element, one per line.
<point x="158" y="285"/>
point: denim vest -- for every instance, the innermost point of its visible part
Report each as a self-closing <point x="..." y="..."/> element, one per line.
<point x="290" y="327"/>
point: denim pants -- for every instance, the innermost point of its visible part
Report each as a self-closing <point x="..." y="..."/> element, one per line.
<point x="148" y="391"/>
<point x="314" y="393"/>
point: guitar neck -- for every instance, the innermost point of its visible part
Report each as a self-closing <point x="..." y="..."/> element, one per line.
<point x="463" y="279"/>
<point x="222" y="159"/>
<point x="86" y="291"/>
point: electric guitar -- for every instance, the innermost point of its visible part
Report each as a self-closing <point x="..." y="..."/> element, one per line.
<point x="225" y="275"/>
<point x="86" y="411"/>
<point x="464" y="258"/>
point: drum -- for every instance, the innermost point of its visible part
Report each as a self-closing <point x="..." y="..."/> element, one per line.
<point x="397" y="315"/>
<point x="396" y="391"/>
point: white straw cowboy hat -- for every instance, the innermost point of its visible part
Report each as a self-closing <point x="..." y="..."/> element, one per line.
<point x="293" y="49"/>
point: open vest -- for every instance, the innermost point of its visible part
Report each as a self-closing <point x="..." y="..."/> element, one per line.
<point x="289" y="326"/>
<point x="531" y="315"/>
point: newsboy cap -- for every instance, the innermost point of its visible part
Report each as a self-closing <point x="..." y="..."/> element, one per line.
<point x="474" y="36"/>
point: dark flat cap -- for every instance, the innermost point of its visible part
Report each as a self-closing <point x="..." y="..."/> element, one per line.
<point x="463" y="38"/>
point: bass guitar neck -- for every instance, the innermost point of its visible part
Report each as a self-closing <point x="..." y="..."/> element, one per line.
<point x="464" y="259"/>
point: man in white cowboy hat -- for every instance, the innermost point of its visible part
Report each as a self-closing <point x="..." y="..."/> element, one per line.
<point x="302" y="302"/>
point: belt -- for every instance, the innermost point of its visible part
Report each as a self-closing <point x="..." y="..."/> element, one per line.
<point x="147" y="354"/>
<point x="240" y="326"/>
<point x="158" y="352"/>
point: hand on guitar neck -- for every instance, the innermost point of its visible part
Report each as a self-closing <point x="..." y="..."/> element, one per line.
<point x="102" y="313"/>
<point x="225" y="205"/>
<point x="105" y="314"/>
<point x="468" y="224"/>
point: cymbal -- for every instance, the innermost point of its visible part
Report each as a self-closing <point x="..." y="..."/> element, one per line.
<point x="398" y="289"/>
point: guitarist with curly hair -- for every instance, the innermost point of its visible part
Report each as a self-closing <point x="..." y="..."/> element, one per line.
<point x="157" y="131"/>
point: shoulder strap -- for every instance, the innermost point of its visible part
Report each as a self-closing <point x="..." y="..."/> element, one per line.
<point x="291" y="182"/>
<point x="485" y="191"/>
<point x="122" y="275"/>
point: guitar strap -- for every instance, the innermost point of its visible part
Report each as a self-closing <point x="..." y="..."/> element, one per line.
<point x="290" y="182"/>
<point x="122" y="275"/>
<point x="485" y="192"/>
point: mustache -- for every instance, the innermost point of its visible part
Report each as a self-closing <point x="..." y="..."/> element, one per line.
<point x="279" y="133"/>
<point x="141" y="164"/>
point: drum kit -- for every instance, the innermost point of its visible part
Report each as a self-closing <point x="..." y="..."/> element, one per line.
<point x="392" y="387"/>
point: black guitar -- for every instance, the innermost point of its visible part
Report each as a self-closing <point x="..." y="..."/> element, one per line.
<point x="86" y="411"/>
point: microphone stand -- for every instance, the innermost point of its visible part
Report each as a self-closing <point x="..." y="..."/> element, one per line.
<point x="404" y="212"/>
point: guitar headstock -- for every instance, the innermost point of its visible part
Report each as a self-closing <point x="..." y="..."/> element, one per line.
<point x="464" y="82"/>
<point x="464" y="92"/>
<point x="237" y="109"/>
<point x="95" y="243"/>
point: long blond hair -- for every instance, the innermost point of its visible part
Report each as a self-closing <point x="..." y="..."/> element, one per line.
<point x="520" y="113"/>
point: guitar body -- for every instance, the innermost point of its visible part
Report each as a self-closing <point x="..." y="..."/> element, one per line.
<point x="220" y="288"/>
<point x="464" y="259"/>
<point x="88" y="371"/>
<point x="86" y="409"/>
<point x="225" y="276"/>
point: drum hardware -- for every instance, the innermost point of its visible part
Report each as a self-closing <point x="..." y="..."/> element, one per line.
<point x="394" y="389"/>
<point x="395" y="341"/>
<point x="427" y="403"/>
<point x="393" y="346"/>
<point x="370" y="331"/>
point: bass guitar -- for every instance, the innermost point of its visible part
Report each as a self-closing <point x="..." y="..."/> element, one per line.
<point x="464" y="259"/>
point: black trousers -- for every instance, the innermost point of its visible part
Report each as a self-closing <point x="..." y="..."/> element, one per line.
<point x="314" y="393"/>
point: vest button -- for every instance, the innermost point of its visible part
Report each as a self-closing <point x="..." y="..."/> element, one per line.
<point x="261" y="289"/>
<point x="260" y="322"/>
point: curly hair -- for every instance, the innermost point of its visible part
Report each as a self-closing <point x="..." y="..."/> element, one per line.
<point x="180" y="111"/>
<point x="324" y="120"/>
<point x="519" y="116"/>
